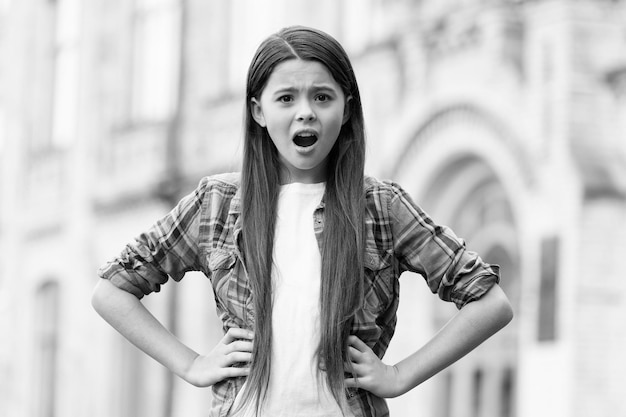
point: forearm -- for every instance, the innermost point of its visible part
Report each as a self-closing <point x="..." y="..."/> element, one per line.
<point x="124" y="312"/>
<point x="472" y="325"/>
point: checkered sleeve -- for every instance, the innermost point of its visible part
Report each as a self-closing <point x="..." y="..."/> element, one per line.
<point x="434" y="251"/>
<point x="168" y="249"/>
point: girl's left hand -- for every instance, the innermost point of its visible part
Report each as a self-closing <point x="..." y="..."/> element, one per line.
<point x="371" y="373"/>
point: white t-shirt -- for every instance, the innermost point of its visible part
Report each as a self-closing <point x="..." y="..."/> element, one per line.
<point x="296" y="387"/>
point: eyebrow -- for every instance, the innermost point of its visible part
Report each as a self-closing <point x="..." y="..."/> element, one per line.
<point x="315" y="87"/>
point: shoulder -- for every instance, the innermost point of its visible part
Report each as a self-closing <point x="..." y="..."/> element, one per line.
<point x="225" y="180"/>
<point x="227" y="184"/>
<point x="381" y="189"/>
<point x="220" y="192"/>
<point x="388" y="199"/>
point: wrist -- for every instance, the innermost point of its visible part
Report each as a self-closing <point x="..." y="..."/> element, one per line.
<point x="187" y="371"/>
<point x="402" y="381"/>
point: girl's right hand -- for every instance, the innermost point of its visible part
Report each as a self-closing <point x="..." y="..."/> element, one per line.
<point x="235" y="348"/>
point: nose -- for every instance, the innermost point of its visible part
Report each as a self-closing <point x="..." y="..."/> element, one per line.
<point x="305" y="112"/>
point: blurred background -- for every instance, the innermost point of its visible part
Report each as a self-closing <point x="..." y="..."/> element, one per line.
<point x="505" y="120"/>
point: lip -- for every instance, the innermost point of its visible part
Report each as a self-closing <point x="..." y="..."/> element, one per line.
<point x="305" y="132"/>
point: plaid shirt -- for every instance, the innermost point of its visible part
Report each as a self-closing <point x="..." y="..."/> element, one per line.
<point x="201" y="234"/>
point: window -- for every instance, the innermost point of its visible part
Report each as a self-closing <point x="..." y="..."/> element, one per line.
<point x="5" y="6"/>
<point x="66" y="77"/>
<point x="46" y="345"/>
<point x="477" y="392"/>
<point x="54" y="95"/>
<point x="548" y="83"/>
<point x="356" y="18"/>
<point x="507" y="390"/>
<point x="3" y="133"/>
<point x="156" y="56"/>
<point x="617" y="79"/>
<point x="448" y="387"/>
<point x="548" y="290"/>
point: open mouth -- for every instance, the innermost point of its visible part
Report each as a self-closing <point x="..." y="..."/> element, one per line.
<point x="305" y="139"/>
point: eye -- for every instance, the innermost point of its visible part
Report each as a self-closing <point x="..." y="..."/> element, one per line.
<point x="285" y="99"/>
<point x="322" y="97"/>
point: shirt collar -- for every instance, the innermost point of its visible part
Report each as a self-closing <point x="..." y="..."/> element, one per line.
<point x="235" y="204"/>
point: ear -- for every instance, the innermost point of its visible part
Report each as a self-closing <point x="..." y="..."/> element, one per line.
<point x="346" y="110"/>
<point x="257" y="112"/>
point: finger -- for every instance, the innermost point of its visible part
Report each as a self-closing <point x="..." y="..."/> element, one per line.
<point x="352" y="368"/>
<point x="240" y="346"/>
<point x="234" y="372"/>
<point x="238" y="357"/>
<point x="351" y="383"/>
<point x="358" y="344"/>
<point x="355" y="355"/>
<point x="235" y="333"/>
<point x="355" y="371"/>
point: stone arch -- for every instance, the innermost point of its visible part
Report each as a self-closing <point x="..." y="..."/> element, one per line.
<point x="450" y="135"/>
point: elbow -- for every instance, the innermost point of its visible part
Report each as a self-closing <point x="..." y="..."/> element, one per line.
<point x="98" y="297"/>
<point x="503" y="308"/>
<point x="506" y="312"/>
<point x="106" y="297"/>
<point x="108" y="300"/>
<point x="498" y="307"/>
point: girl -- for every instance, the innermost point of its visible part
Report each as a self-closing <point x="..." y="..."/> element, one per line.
<point x="304" y="254"/>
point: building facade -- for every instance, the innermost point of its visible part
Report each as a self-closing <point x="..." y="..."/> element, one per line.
<point x="504" y="119"/>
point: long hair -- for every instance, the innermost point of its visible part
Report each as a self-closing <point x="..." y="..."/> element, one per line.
<point x="342" y="236"/>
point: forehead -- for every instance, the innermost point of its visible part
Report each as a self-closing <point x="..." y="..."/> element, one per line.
<point x="301" y="73"/>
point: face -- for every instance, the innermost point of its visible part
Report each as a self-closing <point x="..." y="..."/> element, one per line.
<point x="303" y="109"/>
